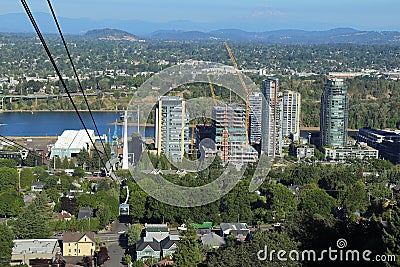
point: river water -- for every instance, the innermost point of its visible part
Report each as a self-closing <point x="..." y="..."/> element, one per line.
<point x="54" y="123"/>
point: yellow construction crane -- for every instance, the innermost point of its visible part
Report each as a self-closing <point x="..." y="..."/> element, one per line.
<point x="225" y="134"/>
<point x="244" y="87"/>
<point x="212" y="91"/>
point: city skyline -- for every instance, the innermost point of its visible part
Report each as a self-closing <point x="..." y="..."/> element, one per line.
<point x="255" y="15"/>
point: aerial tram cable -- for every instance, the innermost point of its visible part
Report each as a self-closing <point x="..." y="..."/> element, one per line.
<point x="13" y="143"/>
<point x="46" y="48"/>
<point x="76" y="74"/>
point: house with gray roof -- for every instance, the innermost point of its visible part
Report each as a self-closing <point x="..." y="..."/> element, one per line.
<point x="239" y="230"/>
<point x="148" y="247"/>
<point x="157" y="231"/>
<point x="85" y="213"/>
<point x="169" y="245"/>
<point x="213" y="240"/>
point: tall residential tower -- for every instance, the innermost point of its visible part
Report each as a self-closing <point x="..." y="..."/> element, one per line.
<point x="334" y="114"/>
<point x="291" y="114"/>
<point x="255" y="103"/>
<point x="271" y="140"/>
<point x="172" y="128"/>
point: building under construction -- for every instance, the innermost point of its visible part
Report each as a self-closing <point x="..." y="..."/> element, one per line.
<point x="230" y="135"/>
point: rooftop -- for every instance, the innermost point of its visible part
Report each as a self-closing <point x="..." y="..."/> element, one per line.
<point x="34" y="246"/>
<point x="73" y="139"/>
<point x="76" y="236"/>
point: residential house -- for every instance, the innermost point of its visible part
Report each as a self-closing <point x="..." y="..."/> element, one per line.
<point x="85" y="213"/>
<point x="148" y="247"/>
<point x="78" y="244"/>
<point x="29" y="198"/>
<point x="157" y="231"/>
<point x="169" y="245"/>
<point x="64" y="215"/>
<point x="239" y="230"/>
<point x="158" y="242"/>
<point x="37" y="186"/>
<point x="213" y="240"/>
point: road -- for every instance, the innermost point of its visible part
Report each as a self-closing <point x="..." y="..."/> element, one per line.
<point x="117" y="244"/>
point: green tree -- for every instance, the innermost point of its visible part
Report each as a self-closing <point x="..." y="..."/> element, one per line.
<point x="79" y="172"/>
<point x="317" y="201"/>
<point x="42" y="205"/>
<point x="103" y="213"/>
<point x="280" y="200"/>
<point x="137" y="202"/>
<point x="11" y="204"/>
<point x="391" y="238"/>
<point x="188" y="252"/>
<point x="8" y="179"/>
<point x="248" y="254"/>
<point x="6" y="244"/>
<point x="138" y="263"/>
<point x="27" y="178"/>
<point x="31" y="224"/>
<point x="355" y="198"/>
<point x="32" y="159"/>
<point x="134" y="234"/>
<point x="82" y="158"/>
<point x="10" y="163"/>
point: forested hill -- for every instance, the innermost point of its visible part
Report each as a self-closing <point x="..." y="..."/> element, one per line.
<point x="109" y="34"/>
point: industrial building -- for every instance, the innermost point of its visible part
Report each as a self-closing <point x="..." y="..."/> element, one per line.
<point x="271" y="143"/>
<point x="71" y="142"/>
<point x="230" y="135"/>
<point x="172" y="128"/>
<point x="334" y="114"/>
<point x="291" y="114"/>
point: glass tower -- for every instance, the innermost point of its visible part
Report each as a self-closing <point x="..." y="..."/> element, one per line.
<point x="334" y="114"/>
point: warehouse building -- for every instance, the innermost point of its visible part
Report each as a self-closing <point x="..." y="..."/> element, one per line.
<point x="71" y="142"/>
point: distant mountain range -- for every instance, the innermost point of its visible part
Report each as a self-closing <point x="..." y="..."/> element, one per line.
<point x="339" y="35"/>
<point x="183" y="30"/>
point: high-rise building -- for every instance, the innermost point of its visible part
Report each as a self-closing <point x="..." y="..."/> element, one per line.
<point x="334" y="114"/>
<point x="255" y="103"/>
<point x="291" y="114"/>
<point x="271" y="140"/>
<point x="172" y="128"/>
<point x="230" y="135"/>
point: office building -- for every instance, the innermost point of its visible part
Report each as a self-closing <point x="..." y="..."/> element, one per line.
<point x="387" y="142"/>
<point x="291" y="114"/>
<point x="357" y="152"/>
<point x="230" y="135"/>
<point x="172" y="128"/>
<point x="334" y="114"/>
<point x="271" y="140"/>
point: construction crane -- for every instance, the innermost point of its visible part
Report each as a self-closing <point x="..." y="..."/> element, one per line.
<point x="244" y="87"/>
<point x="212" y="91"/>
<point x="225" y="134"/>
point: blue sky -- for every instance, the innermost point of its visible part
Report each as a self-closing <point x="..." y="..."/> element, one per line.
<point x="245" y="14"/>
